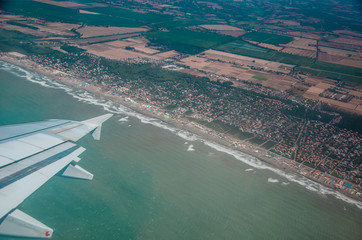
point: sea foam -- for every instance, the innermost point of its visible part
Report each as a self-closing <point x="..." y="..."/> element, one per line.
<point x="125" y="119"/>
<point x="191" y="148"/>
<point x="272" y="180"/>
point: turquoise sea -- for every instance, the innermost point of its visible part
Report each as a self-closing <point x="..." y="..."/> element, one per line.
<point x="152" y="181"/>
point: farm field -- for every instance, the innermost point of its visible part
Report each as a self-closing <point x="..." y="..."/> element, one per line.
<point x="300" y="52"/>
<point x="247" y="49"/>
<point x="302" y="43"/>
<point x="85" y="41"/>
<point x="307" y="65"/>
<point x="260" y="77"/>
<point x="104" y="50"/>
<point x="24" y="30"/>
<point x="187" y="41"/>
<point x="177" y="23"/>
<point x="39" y="28"/>
<point x="220" y="27"/>
<point x="247" y="61"/>
<point x="62" y="3"/>
<point x="340" y="56"/>
<point x="128" y="15"/>
<point x="127" y="49"/>
<point x="268" y="38"/>
<point x="223" y="65"/>
<point x="92" y="31"/>
<point x="224" y="29"/>
<point x="266" y="45"/>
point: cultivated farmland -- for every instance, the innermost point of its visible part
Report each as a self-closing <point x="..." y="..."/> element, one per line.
<point x="268" y="38"/>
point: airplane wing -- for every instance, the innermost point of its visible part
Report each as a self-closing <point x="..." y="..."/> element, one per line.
<point x="32" y="153"/>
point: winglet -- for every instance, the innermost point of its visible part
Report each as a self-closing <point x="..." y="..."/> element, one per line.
<point x="96" y="124"/>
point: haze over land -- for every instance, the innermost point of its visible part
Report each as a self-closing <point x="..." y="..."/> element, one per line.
<point x="278" y="79"/>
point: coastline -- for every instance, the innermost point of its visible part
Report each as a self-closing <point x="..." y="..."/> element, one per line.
<point x="279" y="162"/>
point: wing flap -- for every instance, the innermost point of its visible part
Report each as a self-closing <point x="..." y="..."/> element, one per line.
<point x="7" y="150"/>
<point x="26" y="146"/>
<point x="41" y="140"/>
<point x="5" y="161"/>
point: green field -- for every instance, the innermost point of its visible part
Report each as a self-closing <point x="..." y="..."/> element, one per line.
<point x="247" y="23"/>
<point x="268" y="38"/>
<point x="179" y="23"/>
<point x="256" y="140"/>
<point x="246" y="46"/>
<point x="285" y="67"/>
<point x="260" y="77"/>
<point x="187" y="41"/>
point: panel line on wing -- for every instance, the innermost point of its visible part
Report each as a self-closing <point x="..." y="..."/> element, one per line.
<point x="35" y="167"/>
<point x="32" y="132"/>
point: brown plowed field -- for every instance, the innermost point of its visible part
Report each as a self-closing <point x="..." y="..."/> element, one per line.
<point x="91" y="31"/>
<point x="300" y="52"/>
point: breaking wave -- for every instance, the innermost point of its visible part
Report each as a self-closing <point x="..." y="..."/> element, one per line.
<point x="272" y="180"/>
<point x="191" y="148"/>
<point x="109" y="106"/>
<point x="125" y="119"/>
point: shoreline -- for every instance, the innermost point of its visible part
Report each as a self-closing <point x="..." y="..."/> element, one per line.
<point x="281" y="163"/>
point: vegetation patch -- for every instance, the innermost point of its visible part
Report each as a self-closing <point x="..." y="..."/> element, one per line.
<point x="69" y="15"/>
<point x="72" y="49"/>
<point x="21" y="25"/>
<point x="268" y="144"/>
<point x="128" y="15"/>
<point x="226" y="128"/>
<point x="181" y="23"/>
<point x="13" y="41"/>
<point x="246" y="46"/>
<point x="260" y="77"/>
<point x="297" y="91"/>
<point x="285" y="67"/>
<point x="268" y="38"/>
<point x="187" y="41"/>
<point x="257" y="140"/>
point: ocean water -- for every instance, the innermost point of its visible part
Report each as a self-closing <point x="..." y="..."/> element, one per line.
<point x="152" y="181"/>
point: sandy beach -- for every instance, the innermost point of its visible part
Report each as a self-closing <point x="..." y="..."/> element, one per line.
<point x="228" y="141"/>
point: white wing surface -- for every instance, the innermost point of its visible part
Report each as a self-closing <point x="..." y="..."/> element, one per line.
<point x="32" y="153"/>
